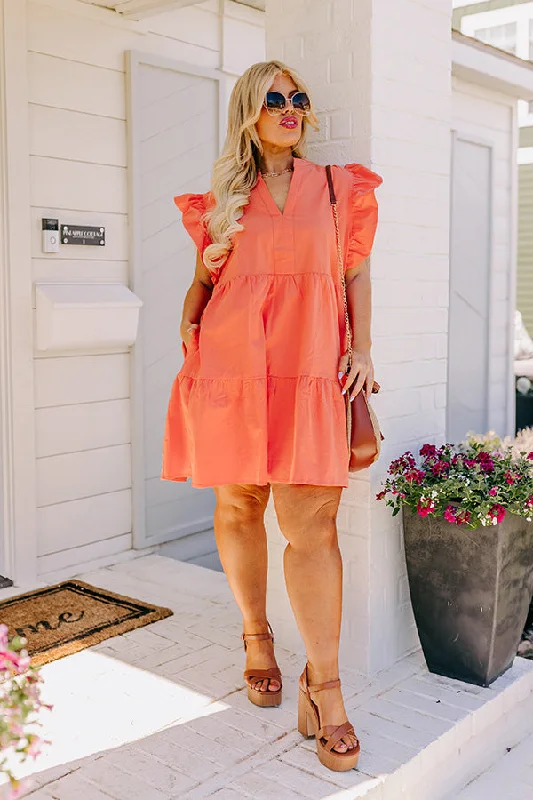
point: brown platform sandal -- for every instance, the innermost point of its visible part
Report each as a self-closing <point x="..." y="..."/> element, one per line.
<point x="263" y="699"/>
<point x="328" y="735"/>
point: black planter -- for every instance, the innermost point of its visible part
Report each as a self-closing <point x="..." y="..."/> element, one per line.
<point x="470" y="591"/>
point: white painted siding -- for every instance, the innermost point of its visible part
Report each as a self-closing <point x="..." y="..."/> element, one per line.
<point x="488" y="116"/>
<point x="78" y="162"/>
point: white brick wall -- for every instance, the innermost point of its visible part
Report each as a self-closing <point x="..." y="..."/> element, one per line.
<point x="383" y="99"/>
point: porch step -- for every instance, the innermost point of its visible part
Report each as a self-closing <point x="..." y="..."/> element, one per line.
<point x="467" y="728"/>
<point x="511" y="777"/>
<point x="183" y="727"/>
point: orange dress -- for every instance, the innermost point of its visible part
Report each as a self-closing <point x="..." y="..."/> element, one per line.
<point x="258" y="399"/>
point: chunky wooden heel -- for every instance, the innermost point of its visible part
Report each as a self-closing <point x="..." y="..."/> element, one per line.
<point x="305" y="724"/>
<point x="327" y="736"/>
<point x="266" y="699"/>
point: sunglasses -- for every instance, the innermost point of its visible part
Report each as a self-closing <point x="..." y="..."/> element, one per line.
<point x="276" y="103"/>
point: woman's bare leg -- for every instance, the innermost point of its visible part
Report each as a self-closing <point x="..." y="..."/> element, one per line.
<point x="313" y="574"/>
<point x="242" y="546"/>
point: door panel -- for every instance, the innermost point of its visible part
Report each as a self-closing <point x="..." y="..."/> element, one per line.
<point x="470" y="256"/>
<point x="174" y="137"/>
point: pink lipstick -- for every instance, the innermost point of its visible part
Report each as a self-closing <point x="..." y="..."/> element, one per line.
<point x="289" y="122"/>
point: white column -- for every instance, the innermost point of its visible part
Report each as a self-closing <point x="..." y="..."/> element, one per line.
<point x="379" y="71"/>
<point x="17" y="403"/>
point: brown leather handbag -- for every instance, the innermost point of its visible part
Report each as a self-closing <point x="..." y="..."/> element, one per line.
<point x="362" y="427"/>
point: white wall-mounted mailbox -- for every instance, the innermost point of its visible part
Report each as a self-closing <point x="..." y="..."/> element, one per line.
<point x="85" y="316"/>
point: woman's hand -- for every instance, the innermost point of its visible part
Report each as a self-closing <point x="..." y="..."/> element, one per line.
<point x="186" y="331"/>
<point x="361" y="374"/>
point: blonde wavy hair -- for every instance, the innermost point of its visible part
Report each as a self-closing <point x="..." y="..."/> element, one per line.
<point x="235" y="171"/>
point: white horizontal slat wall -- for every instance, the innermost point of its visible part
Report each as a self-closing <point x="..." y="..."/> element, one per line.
<point x="78" y="161"/>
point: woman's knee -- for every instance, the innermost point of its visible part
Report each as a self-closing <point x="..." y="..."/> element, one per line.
<point x="307" y="515"/>
<point x="239" y="504"/>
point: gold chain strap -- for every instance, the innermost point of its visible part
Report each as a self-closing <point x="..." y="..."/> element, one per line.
<point x="343" y="284"/>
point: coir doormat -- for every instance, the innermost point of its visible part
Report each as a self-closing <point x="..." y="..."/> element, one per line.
<point x="70" y="616"/>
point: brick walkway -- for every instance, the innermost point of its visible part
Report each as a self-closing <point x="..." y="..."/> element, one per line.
<point x="161" y="713"/>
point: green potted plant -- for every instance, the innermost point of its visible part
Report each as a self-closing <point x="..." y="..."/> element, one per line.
<point x="468" y="537"/>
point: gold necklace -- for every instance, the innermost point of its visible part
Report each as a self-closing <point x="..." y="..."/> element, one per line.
<point x="277" y="174"/>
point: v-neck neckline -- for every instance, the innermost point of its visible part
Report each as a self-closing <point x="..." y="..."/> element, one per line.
<point x="291" y="194"/>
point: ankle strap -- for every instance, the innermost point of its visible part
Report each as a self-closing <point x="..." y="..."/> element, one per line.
<point x="256" y="636"/>
<point x="259" y="637"/>
<point x="318" y="687"/>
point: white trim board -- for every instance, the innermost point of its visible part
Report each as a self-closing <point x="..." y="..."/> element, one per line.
<point x="17" y="413"/>
<point x="484" y="65"/>
<point x="136" y="9"/>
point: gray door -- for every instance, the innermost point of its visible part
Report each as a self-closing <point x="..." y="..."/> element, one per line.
<point x="470" y="256"/>
<point x="174" y="139"/>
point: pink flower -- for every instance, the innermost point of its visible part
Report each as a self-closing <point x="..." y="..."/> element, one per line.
<point x="509" y="478"/>
<point x="381" y="495"/>
<point x="493" y="492"/>
<point x="428" y="451"/>
<point x="425" y="508"/>
<point x="34" y="748"/>
<point x="449" y="514"/>
<point x="530" y="456"/>
<point x="497" y="512"/>
<point x="529" y="501"/>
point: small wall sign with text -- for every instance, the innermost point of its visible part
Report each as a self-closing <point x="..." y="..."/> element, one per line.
<point x="82" y="234"/>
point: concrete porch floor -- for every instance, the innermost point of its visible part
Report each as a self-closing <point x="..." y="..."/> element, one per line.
<point x="161" y="713"/>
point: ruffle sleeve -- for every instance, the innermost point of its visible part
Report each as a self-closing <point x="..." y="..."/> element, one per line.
<point x="193" y="208"/>
<point x="364" y="213"/>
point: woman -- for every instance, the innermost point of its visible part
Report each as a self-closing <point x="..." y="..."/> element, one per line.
<point x="258" y="405"/>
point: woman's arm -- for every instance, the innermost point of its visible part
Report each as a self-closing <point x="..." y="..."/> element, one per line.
<point x="196" y="299"/>
<point x="359" y="298"/>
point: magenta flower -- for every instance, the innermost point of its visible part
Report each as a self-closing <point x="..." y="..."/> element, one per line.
<point x="449" y="514"/>
<point x="497" y="512"/>
<point x="426" y="507"/>
<point x="415" y="476"/>
<point x="462" y="470"/>
<point x="440" y="467"/>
